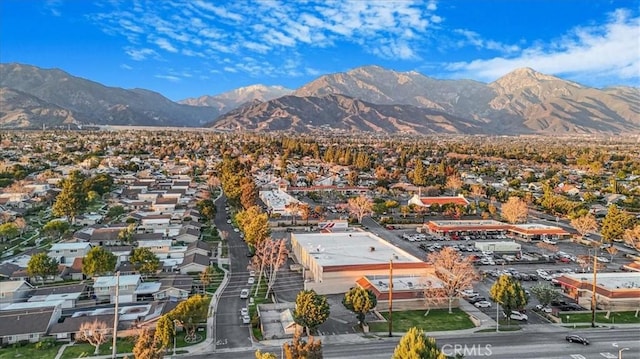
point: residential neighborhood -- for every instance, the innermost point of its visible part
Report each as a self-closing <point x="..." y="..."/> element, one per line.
<point x="217" y="239"/>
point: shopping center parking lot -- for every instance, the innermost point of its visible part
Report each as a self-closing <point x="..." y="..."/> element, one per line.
<point x="532" y="266"/>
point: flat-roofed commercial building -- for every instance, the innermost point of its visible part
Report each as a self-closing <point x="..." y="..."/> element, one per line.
<point x="408" y="291"/>
<point x="614" y="291"/>
<point x="333" y="262"/>
<point x="527" y="231"/>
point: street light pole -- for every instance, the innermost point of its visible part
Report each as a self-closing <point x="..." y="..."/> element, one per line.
<point x="620" y="352"/>
<point x="593" y="290"/>
<point x="390" y="297"/>
<point x="497" y="316"/>
<point x="114" y="347"/>
<point x="175" y="334"/>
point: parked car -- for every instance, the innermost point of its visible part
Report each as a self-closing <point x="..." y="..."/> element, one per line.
<point x="515" y="315"/>
<point x="244" y="294"/>
<point x="477" y="299"/>
<point x="543" y="309"/>
<point x="244" y="311"/>
<point x="251" y="280"/>
<point x="573" y="338"/>
<point x="246" y="319"/>
<point x="483" y="304"/>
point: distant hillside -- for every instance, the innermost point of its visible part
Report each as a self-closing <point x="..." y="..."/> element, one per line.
<point x="233" y="99"/>
<point x="368" y="98"/>
<point x="91" y="102"/>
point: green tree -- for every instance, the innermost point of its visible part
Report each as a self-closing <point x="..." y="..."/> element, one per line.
<point x="126" y="234"/>
<point x="164" y="331"/>
<point x="508" y="293"/>
<point x="147" y="347"/>
<point x="115" y="211"/>
<point x="207" y="208"/>
<point x="545" y="293"/>
<point x="191" y="312"/>
<point x="144" y="261"/>
<point x="56" y="227"/>
<point x="206" y="277"/>
<point x="101" y="183"/>
<point x="615" y="223"/>
<point x="41" y="265"/>
<point x="299" y="348"/>
<point x="98" y="262"/>
<point x="254" y="224"/>
<point x="311" y="310"/>
<point x="72" y="200"/>
<point x="416" y="345"/>
<point x="360" y="301"/>
<point x="8" y="230"/>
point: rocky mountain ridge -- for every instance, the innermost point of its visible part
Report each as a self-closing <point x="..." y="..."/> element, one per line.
<point x="369" y="98"/>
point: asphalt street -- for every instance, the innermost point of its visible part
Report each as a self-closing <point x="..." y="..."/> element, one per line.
<point x="229" y="330"/>
<point x="605" y="343"/>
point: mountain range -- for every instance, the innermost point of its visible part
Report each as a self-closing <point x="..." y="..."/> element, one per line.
<point x="370" y="98"/>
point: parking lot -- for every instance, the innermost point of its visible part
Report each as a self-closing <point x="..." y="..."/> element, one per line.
<point x="533" y="265"/>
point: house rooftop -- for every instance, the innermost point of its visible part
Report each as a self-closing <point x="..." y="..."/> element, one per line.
<point x="69" y="245"/>
<point x="350" y="248"/>
<point x="32" y="305"/>
<point x="110" y="281"/>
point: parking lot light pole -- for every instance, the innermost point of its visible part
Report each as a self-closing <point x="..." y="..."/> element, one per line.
<point x="390" y="297"/>
<point x="497" y="316"/>
<point x="620" y="352"/>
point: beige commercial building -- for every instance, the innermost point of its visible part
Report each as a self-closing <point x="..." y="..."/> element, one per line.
<point x="333" y="262"/>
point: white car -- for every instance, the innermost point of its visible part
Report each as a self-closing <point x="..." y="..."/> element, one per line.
<point x="246" y="319"/>
<point x="244" y="294"/>
<point x="252" y="273"/>
<point x="549" y="241"/>
<point x="515" y="315"/>
<point x="244" y="311"/>
<point x="251" y="280"/>
<point x="483" y="304"/>
<point x="543" y="309"/>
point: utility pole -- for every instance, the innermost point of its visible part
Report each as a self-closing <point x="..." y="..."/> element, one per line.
<point x="390" y="297"/>
<point x="593" y="289"/>
<point x="114" y="349"/>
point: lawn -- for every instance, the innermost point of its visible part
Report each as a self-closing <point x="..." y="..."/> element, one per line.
<point x="614" y="317"/>
<point x="84" y="350"/>
<point x="437" y="320"/>
<point x="30" y="351"/>
<point x="258" y="299"/>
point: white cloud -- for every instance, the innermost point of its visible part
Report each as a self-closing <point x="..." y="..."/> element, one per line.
<point x="171" y="78"/>
<point x="126" y="67"/>
<point x="165" y="45"/>
<point x="141" y="54"/>
<point x="610" y="50"/>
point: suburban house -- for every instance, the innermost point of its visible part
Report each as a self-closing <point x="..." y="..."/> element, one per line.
<point x="13" y="291"/>
<point x="28" y="321"/>
<point x="188" y="235"/>
<point x="27" y="324"/>
<point x="194" y="263"/>
<point x="65" y="253"/>
<point x="157" y="247"/>
<point x="68" y="328"/>
<point x="201" y="247"/>
<point x="105" y="288"/>
<point x="174" y="288"/>
<point x="67" y="295"/>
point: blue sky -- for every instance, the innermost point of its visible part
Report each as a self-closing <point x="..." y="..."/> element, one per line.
<point x="191" y="48"/>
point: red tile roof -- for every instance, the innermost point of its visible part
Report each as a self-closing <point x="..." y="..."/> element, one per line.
<point x="429" y="201"/>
